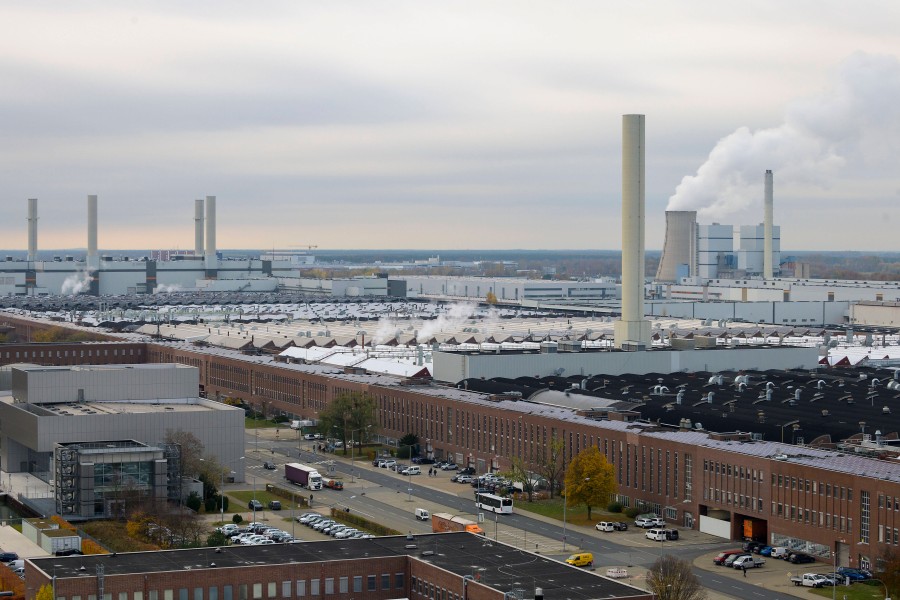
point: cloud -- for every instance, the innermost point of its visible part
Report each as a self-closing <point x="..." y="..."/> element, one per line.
<point x="855" y="122"/>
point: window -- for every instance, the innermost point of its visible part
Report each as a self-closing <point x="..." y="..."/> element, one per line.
<point x="386" y="581"/>
<point x="272" y="589"/>
<point x="329" y="586"/>
<point x="285" y="589"/>
<point x="399" y="581"/>
<point x="342" y="585"/>
<point x="198" y="593"/>
<point x="213" y="593"/>
<point x="182" y="594"/>
<point x="372" y="584"/>
<point x="124" y="596"/>
<point x="140" y="596"/>
<point x="301" y="588"/>
<point x="313" y="587"/>
<point x="227" y="593"/>
<point x="257" y="591"/>
<point x="357" y="584"/>
<point x="864" y="517"/>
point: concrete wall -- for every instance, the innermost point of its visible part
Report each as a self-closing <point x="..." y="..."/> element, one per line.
<point x="880" y="315"/>
<point x="118" y="383"/>
<point x="778" y="313"/>
<point x="449" y="367"/>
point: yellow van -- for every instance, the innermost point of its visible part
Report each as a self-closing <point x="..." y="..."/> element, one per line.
<point x="582" y="559"/>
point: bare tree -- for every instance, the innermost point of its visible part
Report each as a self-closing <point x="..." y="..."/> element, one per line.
<point x="550" y="464"/>
<point x="671" y="578"/>
<point x="518" y="473"/>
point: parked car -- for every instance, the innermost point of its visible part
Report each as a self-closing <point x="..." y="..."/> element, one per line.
<point x="671" y="534"/>
<point x="620" y="525"/>
<point x="800" y="558"/>
<point x="752" y="546"/>
<point x="413" y="470"/>
<point x="387" y="464"/>
<point x="582" y="559"/>
<point x="810" y="580"/>
<point x="778" y="552"/>
<point x="730" y="560"/>
<point x="274" y="505"/>
<point x="255" y="505"/>
<point x="6" y="557"/>
<point x="854" y="574"/>
<point x="748" y="561"/>
<point x="604" y="526"/>
<point x="467" y="471"/>
<point x="449" y="467"/>
<point x="649" y="522"/>
<point x="765" y="551"/>
<point x="269" y="466"/>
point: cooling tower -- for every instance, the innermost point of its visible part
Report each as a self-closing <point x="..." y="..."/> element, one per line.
<point x="767" y="229"/>
<point x="32" y="229"/>
<point x="680" y="247"/>
<point x="632" y="331"/>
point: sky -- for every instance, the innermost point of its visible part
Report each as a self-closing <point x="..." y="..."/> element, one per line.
<point x="446" y="125"/>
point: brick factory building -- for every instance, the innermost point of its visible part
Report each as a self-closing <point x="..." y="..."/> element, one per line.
<point x="447" y="566"/>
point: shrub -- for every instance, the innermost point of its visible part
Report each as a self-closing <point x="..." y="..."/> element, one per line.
<point x="91" y="547"/>
<point x="632" y="512"/>
<point x="216" y="538"/>
<point x="194" y="502"/>
<point x="614" y="507"/>
<point x="236" y="519"/>
<point x="210" y="505"/>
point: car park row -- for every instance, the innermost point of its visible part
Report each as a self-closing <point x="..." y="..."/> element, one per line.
<point x="331" y="527"/>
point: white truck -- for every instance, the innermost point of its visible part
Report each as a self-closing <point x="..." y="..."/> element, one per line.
<point x="813" y="580"/>
<point x="748" y="562"/>
<point x="303" y="475"/>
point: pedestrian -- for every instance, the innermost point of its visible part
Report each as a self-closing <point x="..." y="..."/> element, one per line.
<point x="744" y="569"/>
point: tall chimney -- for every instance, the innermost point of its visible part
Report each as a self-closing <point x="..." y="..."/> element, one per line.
<point x="198" y="227"/>
<point x="32" y="229"/>
<point x="93" y="259"/>
<point x="680" y="246"/>
<point x="632" y="331"/>
<point x="211" y="235"/>
<point x="767" y="229"/>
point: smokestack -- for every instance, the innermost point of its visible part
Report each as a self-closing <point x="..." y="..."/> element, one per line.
<point x="632" y="331"/>
<point x="680" y="247"/>
<point x="210" y="234"/>
<point x="767" y="229"/>
<point x="32" y="229"/>
<point x="198" y="227"/>
<point x="93" y="260"/>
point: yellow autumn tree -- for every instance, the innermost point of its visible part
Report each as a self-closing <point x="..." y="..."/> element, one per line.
<point x="590" y="479"/>
<point x="44" y="593"/>
<point x="491" y="298"/>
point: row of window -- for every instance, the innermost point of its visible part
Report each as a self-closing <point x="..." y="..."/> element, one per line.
<point x="814" y="487"/>
<point x="427" y="589"/>
<point x="269" y="590"/>
<point x="98" y="352"/>
<point x="732" y="471"/>
<point x="739" y="500"/>
<point x="823" y="519"/>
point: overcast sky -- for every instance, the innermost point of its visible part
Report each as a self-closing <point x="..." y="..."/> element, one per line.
<point x="448" y="124"/>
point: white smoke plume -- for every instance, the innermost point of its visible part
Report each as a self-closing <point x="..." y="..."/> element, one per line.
<point x="167" y="289"/>
<point x="854" y="122"/>
<point x="77" y="282"/>
<point x="454" y="318"/>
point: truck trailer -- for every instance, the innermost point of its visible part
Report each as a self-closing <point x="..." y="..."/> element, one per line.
<point x="442" y="522"/>
<point x="303" y="475"/>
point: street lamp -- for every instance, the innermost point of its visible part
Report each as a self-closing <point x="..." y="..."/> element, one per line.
<point x="352" y="464"/>
<point x="886" y="596"/>
<point x="788" y="424"/>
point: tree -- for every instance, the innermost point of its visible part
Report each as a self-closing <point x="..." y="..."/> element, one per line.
<point x="887" y="570"/>
<point x="216" y="538"/>
<point x="491" y="298"/>
<point x="44" y="593"/>
<point x="408" y="446"/>
<point x="518" y="473"/>
<point x="348" y="413"/>
<point x="550" y="464"/>
<point x="590" y="479"/>
<point x="671" y="578"/>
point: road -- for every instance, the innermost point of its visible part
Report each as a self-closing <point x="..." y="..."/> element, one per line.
<point x="606" y="553"/>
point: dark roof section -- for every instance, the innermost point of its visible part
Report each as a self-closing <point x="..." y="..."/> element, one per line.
<point x="826" y="402"/>
<point x="504" y="568"/>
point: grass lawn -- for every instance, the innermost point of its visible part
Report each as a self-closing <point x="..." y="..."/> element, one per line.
<point x="575" y="514"/>
<point x="858" y="591"/>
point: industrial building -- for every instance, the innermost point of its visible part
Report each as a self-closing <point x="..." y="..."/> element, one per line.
<point x="506" y="289"/>
<point x="445" y="566"/>
<point x="49" y="406"/>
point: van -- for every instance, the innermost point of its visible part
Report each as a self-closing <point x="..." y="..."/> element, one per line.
<point x="657" y="535"/>
<point x="413" y="470"/>
<point x="605" y="526"/>
<point x="274" y="505"/>
<point x="582" y="559"/>
<point x="422" y="514"/>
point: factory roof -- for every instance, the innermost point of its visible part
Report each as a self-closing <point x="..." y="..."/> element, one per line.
<point x="497" y="565"/>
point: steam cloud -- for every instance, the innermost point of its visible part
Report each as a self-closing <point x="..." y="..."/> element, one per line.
<point x="454" y="318"/>
<point x="852" y="123"/>
<point x="167" y="289"/>
<point x="77" y="282"/>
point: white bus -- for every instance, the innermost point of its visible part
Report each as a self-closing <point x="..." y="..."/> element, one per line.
<point x="494" y="503"/>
